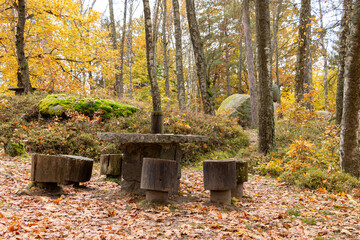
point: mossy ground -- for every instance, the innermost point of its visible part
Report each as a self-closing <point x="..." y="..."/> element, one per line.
<point x="76" y="134"/>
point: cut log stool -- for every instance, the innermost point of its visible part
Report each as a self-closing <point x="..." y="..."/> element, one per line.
<point x="241" y="177"/>
<point x="110" y="165"/>
<point x="158" y="177"/>
<point x="49" y="170"/>
<point x="219" y="178"/>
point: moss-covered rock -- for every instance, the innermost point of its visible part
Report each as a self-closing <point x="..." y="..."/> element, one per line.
<point x="58" y="104"/>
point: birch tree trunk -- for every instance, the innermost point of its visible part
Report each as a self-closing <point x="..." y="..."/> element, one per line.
<point x="23" y="72"/>
<point x="344" y="33"/>
<point x="179" y="58"/>
<point x="165" y="54"/>
<point x="122" y="57"/>
<point x="266" y="134"/>
<point x="303" y="60"/>
<point x="204" y="82"/>
<point x="155" y="93"/>
<point x="250" y="64"/>
<point x="349" y="141"/>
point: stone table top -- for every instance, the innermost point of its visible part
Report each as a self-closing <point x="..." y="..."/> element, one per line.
<point x="149" y="138"/>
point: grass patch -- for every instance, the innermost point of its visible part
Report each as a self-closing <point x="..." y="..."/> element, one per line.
<point x="294" y="212"/>
<point x="309" y="221"/>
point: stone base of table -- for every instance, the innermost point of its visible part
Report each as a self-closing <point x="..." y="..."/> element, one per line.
<point x="135" y="147"/>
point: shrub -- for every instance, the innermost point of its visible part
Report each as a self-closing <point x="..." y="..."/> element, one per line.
<point x="77" y="134"/>
<point x="314" y="178"/>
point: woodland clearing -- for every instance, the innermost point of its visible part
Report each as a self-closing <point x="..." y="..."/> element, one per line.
<point x="270" y="210"/>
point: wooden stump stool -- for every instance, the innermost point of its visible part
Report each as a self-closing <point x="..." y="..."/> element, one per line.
<point x="110" y="165"/>
<point x="158" y="177"/>
<point x="241" y="177"/>
<point x="49" y="170"/>
<point x="219" y="178"/>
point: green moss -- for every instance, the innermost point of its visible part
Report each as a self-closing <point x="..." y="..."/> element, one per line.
<point x="15" y="149"/>
<point x="57" y="105"/>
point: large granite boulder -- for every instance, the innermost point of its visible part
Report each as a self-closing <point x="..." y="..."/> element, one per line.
<point x="237" y="106"/>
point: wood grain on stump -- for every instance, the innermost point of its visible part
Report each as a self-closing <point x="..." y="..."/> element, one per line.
<point x="241" y="177"/>
<point x="158" y="177"/>
<point x="110" y="165"/>
<point x="219" y="178"/>
<point x="60" y="169"/>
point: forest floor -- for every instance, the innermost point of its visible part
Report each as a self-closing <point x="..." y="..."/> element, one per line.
<point x="270" y="210"/>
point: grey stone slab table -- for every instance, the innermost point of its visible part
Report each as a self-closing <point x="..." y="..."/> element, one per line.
<point x="137" y="146"/>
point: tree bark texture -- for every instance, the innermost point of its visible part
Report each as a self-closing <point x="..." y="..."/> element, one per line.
<point x="266" y="134"/>
<point x="129" y="48"/>
<point x="155" y="93"/>
<point x="250" y="64"/>
<point x="344" y="33"/>
<point x="122" y="57"/>
<point x="303" y="58"/>
<point x="155" y="32"/>
<point x="324" y="54"/>
<point x="227" y="61"/>
<point x="165" y="54"/>
<point x="204" y="82"/>
<point x="179" y="58"/>
<point x="349" y="141"/>
<point x="274" y="45"/>
<point x="240" y="62"/>
<point x="23" y="71"/>
<point x="114" y="44"/>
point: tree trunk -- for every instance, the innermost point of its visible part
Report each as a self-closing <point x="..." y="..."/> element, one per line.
<point x="250" y="64"/>
<point x="240" y="62"/>
<point x="227" y="61"/>
<point x="155" y="93"/>
<point x="114" y="43"/>
<point x="303" y="61"/>
<point x="344" y="33"/>
<point x="23" y="72"/>
<point x="274" y="45"/>
<point x="324" y="54"/>
<point x="121" y="80"/>
<point x="349" y="141"/>
<point x="165" y="54"/>
<point x="266" y="134"/>
<point x="204" y="83"/>
<point x="179" y="63"/>
<point x="155" y="32"/>
<point x="129" y="48"/>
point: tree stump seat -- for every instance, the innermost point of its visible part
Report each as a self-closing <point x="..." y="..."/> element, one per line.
<point x="54" y="169"/>
<point x="241" y="177"/>
<point x="158" y="177"/>
<point x="110" y="165"/>
<point x="219" y="178"/>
